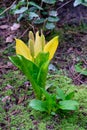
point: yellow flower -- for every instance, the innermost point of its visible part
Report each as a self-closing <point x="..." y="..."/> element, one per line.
<point x="35" y="46"/>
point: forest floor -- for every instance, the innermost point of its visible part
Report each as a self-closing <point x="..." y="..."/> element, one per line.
<point x="15" y="90"/>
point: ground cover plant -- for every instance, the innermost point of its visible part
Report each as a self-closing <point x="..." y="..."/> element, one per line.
<point x="78" y="2"/>
<point x="37" y="13"/>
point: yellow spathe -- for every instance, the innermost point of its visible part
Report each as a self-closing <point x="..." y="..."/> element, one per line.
<point x="36" y="46"/>
<point x="22" y="49"/>
<point x="51" y="47"/>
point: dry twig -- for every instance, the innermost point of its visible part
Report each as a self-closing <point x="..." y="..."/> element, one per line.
<point x="8" y="8"/>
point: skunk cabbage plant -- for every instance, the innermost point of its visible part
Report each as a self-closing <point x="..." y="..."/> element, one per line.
<point x="33" y="59"/>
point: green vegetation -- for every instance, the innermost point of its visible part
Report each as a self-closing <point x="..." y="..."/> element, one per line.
<point x="36" y="13"/>
<point x="41" y="14"/>
<point x="81" y="69"/>
<point x="78" y="2"/>
<point x="23" y="117"/>
<point x="33" y="61"/>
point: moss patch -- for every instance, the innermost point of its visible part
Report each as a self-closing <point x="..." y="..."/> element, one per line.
<point x="15" y="112"/>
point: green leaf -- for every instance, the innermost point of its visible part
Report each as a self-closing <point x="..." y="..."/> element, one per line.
<point x="38" y="105"/>
<point x="61" y="0"/>
<point x="46" y="94"/>
<point x="26" y="66"/>
<point x="81" y="70"/>
<point x="51" y="101"/>
<point x="69" y="96"/>
<point x="42" y="75"/>
<point x="33" y="15"/>
<point x="21" y="3"/>
<point x="85" y="3"/>
<point x="20" y="17"/>
<point x="50" y="25"/>
<point x="39" y="21"/>
<point x="42" y="61"/>
<point x="29" y="69"/>
<point x="60" y="94"/>
<point x="49" y="1"/>
<point x="53" y="19"/>
<point x="44" y="13"/>
<point x="68" y="105"/>
<point x="32" y="9"/>
<point x="21" y="10"/>
<point x="37" y="6"/>
<point x="77" y="2"/>
<point x="53" y="13"/>
<point x="41" y="58"/>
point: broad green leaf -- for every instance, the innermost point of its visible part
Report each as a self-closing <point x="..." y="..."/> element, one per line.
<point x="68" y="105"/>
<point x="42" y="61"/>
<point x="37" y="6"/>
<point x="32" y="9"/>
<point x="60" y="93"/>
<point x="77" y="2"/>
<point x="53" y="19"/>
<point x="33" y="15"/>
<point x="41" y="58"/>
<point x="46" y="94"/>
<point x="20" y="17"/>
<point x="69" y="96"/>
<point x="21" y="10"/>
<point x="51" y="101"/>
<point x="21" y="3"/>
<point x="39" y="21"/>
<point x="29" y="69"/>
<point x="85" y="3"/>
<point x="38" y="105"/>
<point x="45" y="13"/>
<point x="61" y="0"/>
<point x="50" y="25"/>
<point x="49" y="1"/>
<point x="42" y="75"/>
<point x="53" y="13"/>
